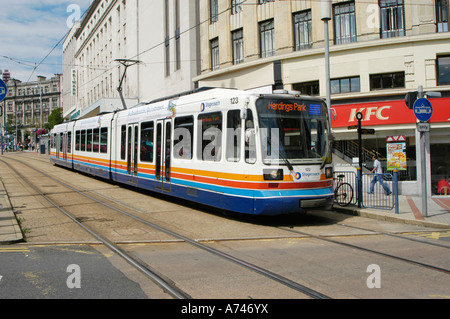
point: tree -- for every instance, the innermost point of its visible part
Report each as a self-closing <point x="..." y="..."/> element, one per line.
<point x="54" y="118"/>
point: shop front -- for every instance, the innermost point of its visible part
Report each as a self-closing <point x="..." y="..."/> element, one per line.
<point x="394" y="123"/>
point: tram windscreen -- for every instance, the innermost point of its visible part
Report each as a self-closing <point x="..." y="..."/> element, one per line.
<point x="293" y="131"/>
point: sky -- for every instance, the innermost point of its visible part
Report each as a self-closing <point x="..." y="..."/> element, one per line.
<point x="30" y="29"/>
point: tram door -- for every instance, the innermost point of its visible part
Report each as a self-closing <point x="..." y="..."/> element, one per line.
<point x="65" y="145"/>
<point x="57" y="141"/>
<point x="132" y="152"/>
<point x="60" y="146"/>
<point x="163" y="153"/>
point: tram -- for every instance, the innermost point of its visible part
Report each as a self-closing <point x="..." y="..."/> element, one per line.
<point x="262" y="154"/>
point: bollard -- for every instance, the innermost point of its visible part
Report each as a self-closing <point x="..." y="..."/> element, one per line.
<point x="395" y="186"/>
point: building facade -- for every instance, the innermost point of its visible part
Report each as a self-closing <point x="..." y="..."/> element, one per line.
<point x="160" y="34"/>
<point x="379" y="51"/>
<point x="26" y="101"/>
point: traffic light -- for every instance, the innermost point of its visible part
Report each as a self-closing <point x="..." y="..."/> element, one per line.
<point x="410" y="98"/>
<point x="1" y="111"/>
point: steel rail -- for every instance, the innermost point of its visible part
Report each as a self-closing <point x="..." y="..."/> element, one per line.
<point x="418" y="263"/>
<point x="398" y="236"/>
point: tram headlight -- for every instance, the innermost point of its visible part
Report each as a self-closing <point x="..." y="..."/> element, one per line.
<point x="329" y="172"/>
<point x="273" y="174"/>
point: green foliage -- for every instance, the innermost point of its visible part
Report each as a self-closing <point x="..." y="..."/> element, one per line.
<point x="54" y="119"/>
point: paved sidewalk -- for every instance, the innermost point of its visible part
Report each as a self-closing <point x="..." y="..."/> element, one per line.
<point x="10" y="231"/>
<point x="438" y="211"/>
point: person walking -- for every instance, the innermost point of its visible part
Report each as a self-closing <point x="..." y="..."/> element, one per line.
<point x="378" y="177"/>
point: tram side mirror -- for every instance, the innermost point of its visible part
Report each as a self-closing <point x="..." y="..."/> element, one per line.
<point x="244" y="114"/>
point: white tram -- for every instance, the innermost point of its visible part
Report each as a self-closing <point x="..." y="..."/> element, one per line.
<point x="239" y="151"/>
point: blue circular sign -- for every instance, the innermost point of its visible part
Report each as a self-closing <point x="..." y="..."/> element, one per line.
<point x="423" y="110"/>
<point x="3" y="90"/>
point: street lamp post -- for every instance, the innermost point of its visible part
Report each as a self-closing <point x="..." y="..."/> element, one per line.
<point x="40" y="101"/>
<point x="326" y="16"/>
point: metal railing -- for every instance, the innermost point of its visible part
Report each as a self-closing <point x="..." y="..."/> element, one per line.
<point x="377" y="191"/>
<point x="364" y="194"/>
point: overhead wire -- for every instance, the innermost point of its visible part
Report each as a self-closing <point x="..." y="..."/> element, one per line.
<point x="105" y="70"/>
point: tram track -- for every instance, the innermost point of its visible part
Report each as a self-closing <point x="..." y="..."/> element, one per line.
<point x="112" y="203"/>
<point x="372" y="251"/>
<point x="169" y="286"/>
<point x="174" y="291"/>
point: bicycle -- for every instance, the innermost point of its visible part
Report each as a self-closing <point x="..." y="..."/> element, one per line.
<point x="343" y="193"/>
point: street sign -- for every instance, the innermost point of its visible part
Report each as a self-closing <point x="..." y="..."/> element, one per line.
<point x="423" y="110"/>
<point x="3" y="90"/>
<point x="396" y="138"/>
<point x="423" y="127"/>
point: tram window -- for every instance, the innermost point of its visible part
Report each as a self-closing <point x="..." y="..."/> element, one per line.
<point x="77" y="140"/>
<point x="123" y="141"/>
<point x="61" y="141"/>
<point x="104" y="140"/>
<point x="183" y="137"/>
<point x="69" y="142"/>
<point x="95" y="140"/>
<point x="210" y="137"/>
<point x="233" y="148"/>
<point x="83" y="140"/>
<point x="146" y="150"/>
<point x="250" y="144"/>
<point x="89" y="141"/>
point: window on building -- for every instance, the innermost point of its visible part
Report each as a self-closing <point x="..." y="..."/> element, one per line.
<point x="267" y="38"/>
<point x="392" y="18"/>
<point x="442" y="12"/>
<point x="344" y="23"/>
<point x="307" y="88"/>
<point x="215" y="54"/>
<point x="345" y="85"/>
<point x="302" y="30"/>
<point x="214" y="10"/>
<point x="443" y="70"/>
<point x="238" y="46"/>
<point x="236" y="6"/>
<point x="387" y="81"/>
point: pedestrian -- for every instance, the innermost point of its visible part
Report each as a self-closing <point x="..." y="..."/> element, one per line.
<point x="378" y="177"/>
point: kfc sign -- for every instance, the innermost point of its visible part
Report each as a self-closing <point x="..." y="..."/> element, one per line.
<point x="369" y="112"/>
<point x="386" y="113"/>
